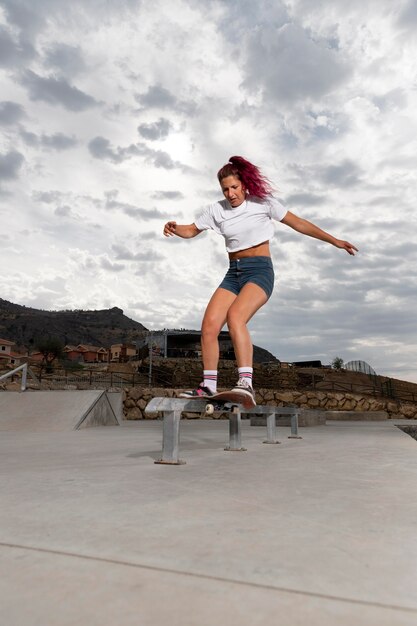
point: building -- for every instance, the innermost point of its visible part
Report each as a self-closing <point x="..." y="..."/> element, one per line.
<point x="84" y="353"/>
<point x="184" y="343"/>
<point x="8" y="357"/>
<point x="122" y="352"/>
<point x="36" y="357"/>
<point x="6" y="347"/>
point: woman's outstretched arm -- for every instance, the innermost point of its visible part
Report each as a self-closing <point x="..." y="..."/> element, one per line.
<point x="186" y="231"/>
<point x="308" y="228"/>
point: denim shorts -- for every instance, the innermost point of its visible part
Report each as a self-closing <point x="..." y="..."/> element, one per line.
<point x="252" y="269"/>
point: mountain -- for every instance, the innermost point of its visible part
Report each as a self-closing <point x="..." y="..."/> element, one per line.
<point x="25" y="325"/>
<point x="260" y="355"/>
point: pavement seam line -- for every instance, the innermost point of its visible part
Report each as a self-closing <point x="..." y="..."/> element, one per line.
<point x="167" y="570"/>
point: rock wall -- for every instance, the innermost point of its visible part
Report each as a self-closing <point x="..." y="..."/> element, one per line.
<point x="186" y="373"/>
<point x="135" y="400"/>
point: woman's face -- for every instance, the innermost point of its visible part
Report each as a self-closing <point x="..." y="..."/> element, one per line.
<point x="233" y="190"/>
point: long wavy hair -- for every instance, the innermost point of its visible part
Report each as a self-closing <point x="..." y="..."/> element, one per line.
<point x="254" y="181"/>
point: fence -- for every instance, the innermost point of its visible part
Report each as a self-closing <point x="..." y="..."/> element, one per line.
<point x="161" y="377"/>
<point x="385" y="389"/>
<point x="92" y="378"/>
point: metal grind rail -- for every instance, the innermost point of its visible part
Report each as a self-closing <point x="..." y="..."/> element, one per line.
<point x="172" y="408"/>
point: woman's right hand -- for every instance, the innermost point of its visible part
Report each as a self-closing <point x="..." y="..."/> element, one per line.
<point x="169" y="229"/>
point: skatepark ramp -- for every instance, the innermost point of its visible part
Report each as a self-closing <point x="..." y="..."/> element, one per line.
<point x="37" y="411"/>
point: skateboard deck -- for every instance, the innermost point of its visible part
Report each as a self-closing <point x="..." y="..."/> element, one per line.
<point x="226" y="399"/>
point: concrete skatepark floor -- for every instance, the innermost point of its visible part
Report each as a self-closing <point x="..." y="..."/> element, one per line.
<point x="313" y="531"/>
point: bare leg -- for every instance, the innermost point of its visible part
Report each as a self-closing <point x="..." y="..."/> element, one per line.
<point x="245" y="305"/>
<point x="213" y="321"/>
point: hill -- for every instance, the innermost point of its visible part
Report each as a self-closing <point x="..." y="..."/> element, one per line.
<point x="25" y="325"/>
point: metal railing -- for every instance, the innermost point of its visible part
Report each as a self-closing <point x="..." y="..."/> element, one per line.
<point x="160" y="377"/>
<point x="91" y="378"/>
<point x="25" y="369"/>
<point x="385" y="389"/>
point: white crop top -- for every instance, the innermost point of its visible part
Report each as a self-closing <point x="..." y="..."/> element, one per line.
<point x="244" y="226"/>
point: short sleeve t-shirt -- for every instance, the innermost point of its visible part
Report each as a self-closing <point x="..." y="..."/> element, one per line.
<point x="244" y="226"/>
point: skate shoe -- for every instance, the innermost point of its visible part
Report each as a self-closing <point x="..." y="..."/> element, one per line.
<point x="200" y="392"/>
<point x="243" y="386"/>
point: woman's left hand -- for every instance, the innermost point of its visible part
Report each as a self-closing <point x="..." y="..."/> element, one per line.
<point x="345" y="245"/>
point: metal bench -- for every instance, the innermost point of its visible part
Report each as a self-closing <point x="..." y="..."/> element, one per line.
<point x="172" y="408"/>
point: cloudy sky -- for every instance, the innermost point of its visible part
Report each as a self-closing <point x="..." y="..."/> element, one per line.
<point x="116" y="115"/>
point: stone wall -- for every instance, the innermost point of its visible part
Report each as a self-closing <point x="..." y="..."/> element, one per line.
<point x="136" y="399"/>
<point x="186" y="374"/>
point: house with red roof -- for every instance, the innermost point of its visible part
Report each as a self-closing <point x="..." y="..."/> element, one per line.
<point x="8" y="356"/>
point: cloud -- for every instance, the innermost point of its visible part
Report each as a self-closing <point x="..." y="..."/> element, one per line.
<point x="57" y="91"/>
<point x="124" y="254"/>
<point x="30" y="139"/>
<point x="156" y="130"/>
<point x="306" y="199"/>
<point x="57" y="141"/>
<point x="111" y="203"/>
<point x="131" y="210"/>
<point x="48" y="197"/>
<point x="101" y="148"/>
<point x="106" y="264"/>
<point x="63" y="211"/>
<point x="168" y="195"/>
<point x="393" y="100"/>
<point x="13" y="52"/>
<point x="341" y="175"/>
<point x="408" y="15"/>
<point x="158" y="97"/>
<point x="10" y="164"/>
<point x="321" y="97"/>
<point x="345" y="174"/>
<point x="22" y="15"/>
<point x="289" y="66"/>
<point x="10" y="113"/>
<point x="67" y="59"/>
<point x="9" y="51"/>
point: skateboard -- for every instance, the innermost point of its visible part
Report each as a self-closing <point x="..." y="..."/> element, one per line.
<point x="228" y="401"/>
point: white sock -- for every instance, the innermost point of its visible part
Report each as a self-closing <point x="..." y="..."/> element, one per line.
<point x="246" y="373"/>
<point x="210" y="380"/>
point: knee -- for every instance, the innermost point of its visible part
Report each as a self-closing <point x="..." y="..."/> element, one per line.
<point x="234" y="320"/>
<point x="210" y="328"/>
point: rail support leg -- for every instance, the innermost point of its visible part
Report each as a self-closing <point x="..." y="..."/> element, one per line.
<point x="235" y="433"/>
<point x="271" y="429"/>
<point x="171" y="439"/>
<point x="294" y="426"/>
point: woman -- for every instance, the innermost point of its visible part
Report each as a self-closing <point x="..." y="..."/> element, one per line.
<point x="244" y="218"/>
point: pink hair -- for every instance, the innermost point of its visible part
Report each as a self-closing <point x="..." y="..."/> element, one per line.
<point x="256" y="183"/>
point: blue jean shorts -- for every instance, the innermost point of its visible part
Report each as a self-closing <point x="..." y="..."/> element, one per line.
<point x="253" y="269"/>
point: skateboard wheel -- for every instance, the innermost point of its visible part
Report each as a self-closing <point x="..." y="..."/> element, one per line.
<point x="209" y="409"/>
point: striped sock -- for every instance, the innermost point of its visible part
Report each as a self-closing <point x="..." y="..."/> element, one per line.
<point x="246" y="373"/>
<point x="210" y="380"/>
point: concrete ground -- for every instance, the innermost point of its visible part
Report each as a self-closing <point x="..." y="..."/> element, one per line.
<point x="318" y="531"/>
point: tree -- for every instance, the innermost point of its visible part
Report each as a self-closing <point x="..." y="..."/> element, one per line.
<point x="337" y="363"/>
<point x="51" y="348"/>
